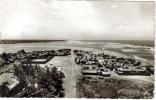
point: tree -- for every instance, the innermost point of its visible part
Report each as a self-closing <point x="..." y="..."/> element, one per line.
<point x="1" y="61"/>
<point x="5" y="56"/>
<point x="4" y="90"/>
<point x="138" y="63"/>
<point x="19" y="72"/>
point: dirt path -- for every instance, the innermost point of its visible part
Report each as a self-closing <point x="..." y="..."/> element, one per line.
<point x="71" y="71"/>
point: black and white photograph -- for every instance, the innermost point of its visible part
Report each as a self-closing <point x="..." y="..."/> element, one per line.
<point x="89" y="49"/>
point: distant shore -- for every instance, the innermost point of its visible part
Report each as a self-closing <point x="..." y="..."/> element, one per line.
<point x="26" y="41"/>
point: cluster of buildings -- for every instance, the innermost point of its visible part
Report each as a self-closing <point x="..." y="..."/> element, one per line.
<point x="23" y="56"/>
<point x="102" y="64"/>
<point x="28" y="59"/>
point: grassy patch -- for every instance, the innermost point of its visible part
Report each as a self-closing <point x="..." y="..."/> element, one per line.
<point x="88" y="87"/>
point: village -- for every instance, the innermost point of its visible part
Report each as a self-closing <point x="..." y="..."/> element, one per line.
<point x="102" y="64"/>
<point x="32" y="74"/>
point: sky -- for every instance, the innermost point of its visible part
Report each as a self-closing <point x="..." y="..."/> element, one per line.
<point x="76" y="20"/>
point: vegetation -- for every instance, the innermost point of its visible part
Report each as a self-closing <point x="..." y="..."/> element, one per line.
<point x="4" y="90"/>
<point x="1" y="62"/>
<point x="34" y="81"/>
<point x="89" y="87"/>
<point x="39" y="82"/>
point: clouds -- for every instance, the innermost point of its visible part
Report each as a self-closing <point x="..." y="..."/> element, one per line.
<point x="50" y="19"/>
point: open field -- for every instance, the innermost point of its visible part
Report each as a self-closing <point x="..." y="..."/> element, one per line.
<point x="90" y="87"/>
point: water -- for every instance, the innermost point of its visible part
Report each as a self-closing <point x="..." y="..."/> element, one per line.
<point x="143" y="50"/>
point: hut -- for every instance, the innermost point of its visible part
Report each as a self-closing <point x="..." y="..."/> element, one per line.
<point x="140" y="71"/>
<point x="124" y="71"/>
<point x="105" y="72"/>
<point x="89" y="70"/>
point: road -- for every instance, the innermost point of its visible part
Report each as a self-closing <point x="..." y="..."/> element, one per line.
<point x="71" y="71"/>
